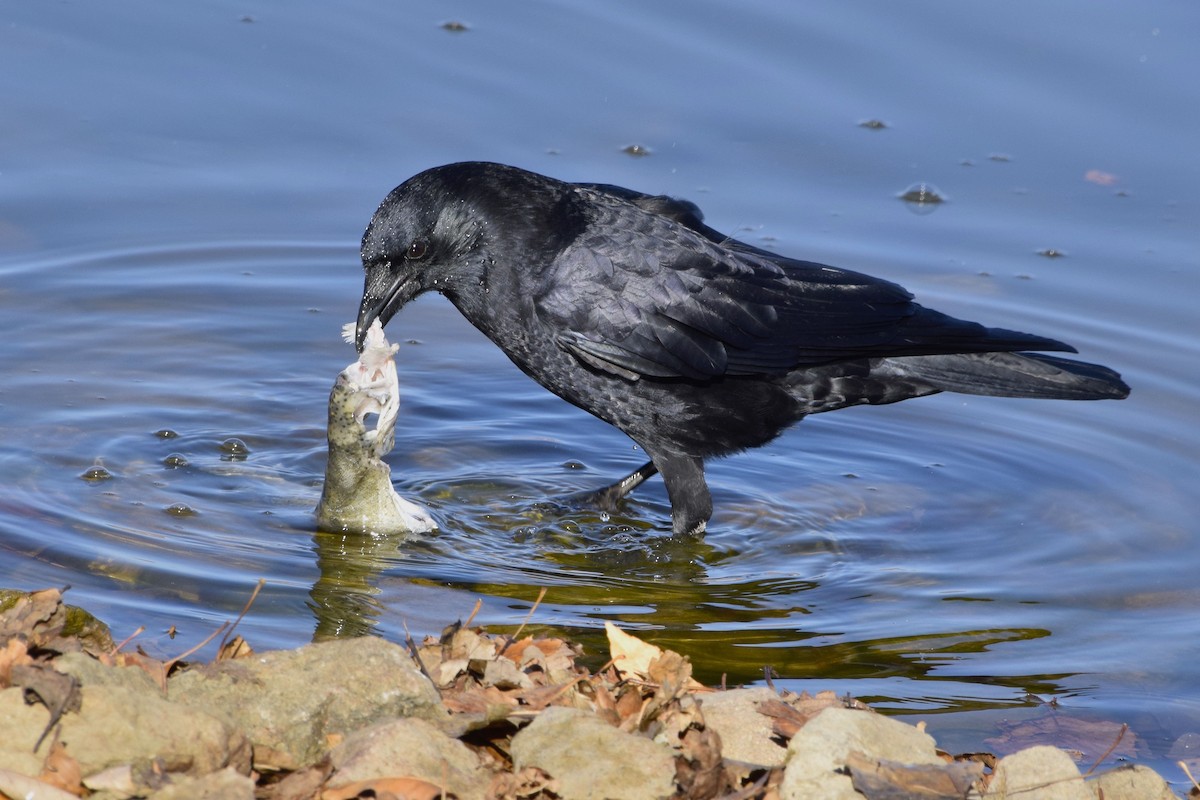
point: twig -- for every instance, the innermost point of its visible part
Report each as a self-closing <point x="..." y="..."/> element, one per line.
<point x="474" y="611"/>
<point x="258" y="588"/>
<point x="1183" y="766"/>
<point x="533" y="608"/>
<point x="167" y="665"/>
<point x="1108" y="752"/>
<point x="416" y="654"/>
<point x="769" y="673"/>
<point x="141" y="629"/>
<point x="749" y="791"/>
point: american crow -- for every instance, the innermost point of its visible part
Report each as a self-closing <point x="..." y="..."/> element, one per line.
<point x="692" y="343"/>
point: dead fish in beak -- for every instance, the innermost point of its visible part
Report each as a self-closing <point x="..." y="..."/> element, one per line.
<point x="358" y="496"/>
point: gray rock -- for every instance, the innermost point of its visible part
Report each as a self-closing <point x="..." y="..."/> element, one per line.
<point x="821" y="747"/>
<point x="122" y="726"/>
<point x="223" y="785"/>
<point x="291" y="701"/>
<point x="118" y="726"/>
<point x="91" y="672"/>
<point x="745" y="733"/>
<point x="1038" y="773"/>
<point x="592" y="760"/>
<point x="409" y="748"/>
<point x="20" y="727"/>
<point x="1133" y="782"/>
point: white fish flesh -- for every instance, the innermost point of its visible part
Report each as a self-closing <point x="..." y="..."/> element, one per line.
<point x="358" y="496"/>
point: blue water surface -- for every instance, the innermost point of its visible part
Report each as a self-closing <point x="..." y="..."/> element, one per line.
<point x="182" y="188"/>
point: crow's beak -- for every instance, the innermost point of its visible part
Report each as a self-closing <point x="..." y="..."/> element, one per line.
<point x="368" y="311"/>
<point x="383" y="295"/>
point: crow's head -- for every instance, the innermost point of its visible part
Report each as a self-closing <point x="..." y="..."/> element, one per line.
<point x="425" y="236"/>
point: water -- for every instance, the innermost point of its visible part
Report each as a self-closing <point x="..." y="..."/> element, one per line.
<point x="181" y="193"/>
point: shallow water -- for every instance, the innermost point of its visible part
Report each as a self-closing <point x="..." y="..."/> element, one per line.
<point x="180" y="201"/>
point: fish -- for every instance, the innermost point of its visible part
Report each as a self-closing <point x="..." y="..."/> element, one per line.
<point x="358" y="496"/>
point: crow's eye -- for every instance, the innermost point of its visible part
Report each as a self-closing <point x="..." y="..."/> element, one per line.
<point x="417" y="250"/>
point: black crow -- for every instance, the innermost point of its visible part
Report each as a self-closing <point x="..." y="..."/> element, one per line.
<point x="692" y="343"/>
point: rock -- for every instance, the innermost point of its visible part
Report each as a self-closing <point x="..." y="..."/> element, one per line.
<point x="745" y="733"/>
<point x="592" y="760"/>
<point x="821" y="748"/>
<point x="290" y="702"/>
<point x="91" y="672"/>
<point x="1133" y="782"/>
<point x="124" y="727"/>
<point x="1038" y="773"/>
<point x="120" y="726"/>
<point x="226" y="784"/>
<point x="20" y="727"/>
<point x="409" y="748"/>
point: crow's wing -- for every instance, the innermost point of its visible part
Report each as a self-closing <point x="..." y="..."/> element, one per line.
<point x="639" y="293"/>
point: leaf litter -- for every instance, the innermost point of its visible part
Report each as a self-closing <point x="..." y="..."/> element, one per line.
<point x="492" y="685"/>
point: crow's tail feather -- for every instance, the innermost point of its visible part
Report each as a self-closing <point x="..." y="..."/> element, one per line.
<point x="1011" y="375"/>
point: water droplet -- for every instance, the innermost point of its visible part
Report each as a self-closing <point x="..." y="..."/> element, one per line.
<point x="96" y="472"/>
<point x="234" y="449"/>
<point x="166" y="433"/>
<point x="180" y="510"/>
<point x="175" y="461"/>
<point x="922" y="198"/>
<point x="637" y="150"/>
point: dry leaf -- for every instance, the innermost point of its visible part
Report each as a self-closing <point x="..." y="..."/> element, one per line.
<point x="303" y="784"/>
<point x="629" y="653"/>
<point x="1084" y="738"/>
<point x="530" y="783"/>
<point x="880" y="779"/>
<point x="237" y="647"/>
<point x="62" y="771"/>
<point x="14" y="653"/>
<point x="791" y="711"/>
<point x="386" y="789"/>
<point x="699" y="767"/>
<point x="14" y="784"/>
<point x="634" y="657"/>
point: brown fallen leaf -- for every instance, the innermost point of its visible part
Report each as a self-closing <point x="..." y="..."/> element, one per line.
<point x="13" y="653"/>
<point x="699" y="767"/>
<point x="61" y="770"/>
<point x="880" y="779"/>
<point x="633" y="657"/>
<point x="386" y="789"/>
<point x="237" y="647"/>
<point x="155" y="668"/>
<point x="791" y="711"/>
<point x="530" y="783"/>
<point x="303" y="784"/>
<point x="36" y="618"/>
<point x="603" y="702"/>
<point x="1083" y="738"/>
<point x="630" y="654"/>
<point x="46" y="624"/>
<point x="14" y="784"/>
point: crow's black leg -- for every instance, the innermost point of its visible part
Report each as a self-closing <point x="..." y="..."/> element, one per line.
<point x="606" y="499"/>
<point x="691" y="502"/>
